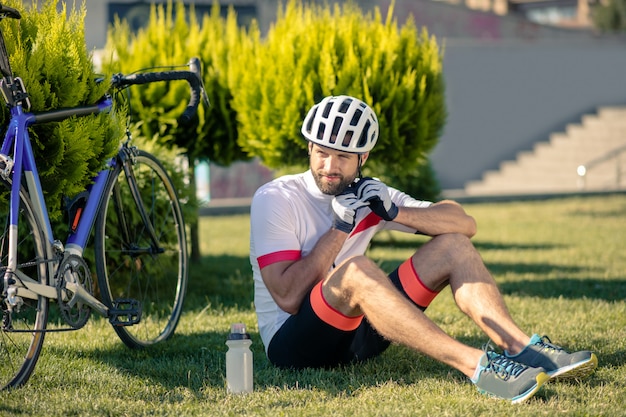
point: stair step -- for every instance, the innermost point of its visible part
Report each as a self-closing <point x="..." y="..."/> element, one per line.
<point x="551" y="166"/>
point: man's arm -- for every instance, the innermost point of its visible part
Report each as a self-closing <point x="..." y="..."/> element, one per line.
<point x="289" y="281"/>
<point x="443" y="217"/>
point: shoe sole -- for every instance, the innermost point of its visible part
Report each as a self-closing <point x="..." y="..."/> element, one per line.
<point x="541" y="379"/>
<point x="576" y="371"/>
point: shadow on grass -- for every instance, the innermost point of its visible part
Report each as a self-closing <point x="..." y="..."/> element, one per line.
<point x="197" y="360"/>
<point x="597" y="213"/>
<point x="392" y="243"/>
<point x="517" y="283"/>
<point x="222" y="280"/>
<point x="607" y="290"/>
<point x="227" y="280"/>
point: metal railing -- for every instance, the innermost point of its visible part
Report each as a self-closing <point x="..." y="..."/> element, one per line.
<point x="584" y="169"/>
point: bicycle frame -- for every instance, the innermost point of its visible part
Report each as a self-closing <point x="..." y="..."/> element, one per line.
<point x="22" y="165"/>
<point x="132" y="208"/>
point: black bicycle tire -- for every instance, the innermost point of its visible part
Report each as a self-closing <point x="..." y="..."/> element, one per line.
<point x="31" y="355"/>
<point x="105" y="232"/>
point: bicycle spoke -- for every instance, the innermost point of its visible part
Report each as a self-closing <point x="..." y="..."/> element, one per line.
<point x="129" y="265"/>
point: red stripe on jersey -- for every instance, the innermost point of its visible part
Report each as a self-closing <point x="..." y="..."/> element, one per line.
<point x="370" y="220"/>
<point x="283" y="255"/>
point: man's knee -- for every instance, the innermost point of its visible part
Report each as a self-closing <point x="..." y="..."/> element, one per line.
<point x="356" y="272"/>
<point x="345" y="287"/>
<point x="451" y="250"/>
<point x="454" y="243"/>
<point x="359" y="266"/>
<point x="452" y="239"/>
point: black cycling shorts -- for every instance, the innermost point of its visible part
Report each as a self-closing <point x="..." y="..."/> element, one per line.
<point x="320" y="337"/>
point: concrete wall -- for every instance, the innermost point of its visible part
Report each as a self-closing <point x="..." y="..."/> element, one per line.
<point x="506" y="96"/>
<point x="509" y="82"/>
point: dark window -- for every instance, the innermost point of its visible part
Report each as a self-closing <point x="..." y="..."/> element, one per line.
<point x="137" y="14"/>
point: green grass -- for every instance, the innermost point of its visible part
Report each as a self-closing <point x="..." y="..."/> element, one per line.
<point x="560" y="263"/>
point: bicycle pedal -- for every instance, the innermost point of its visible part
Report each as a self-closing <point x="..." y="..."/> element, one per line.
<point x="125" y="312"/>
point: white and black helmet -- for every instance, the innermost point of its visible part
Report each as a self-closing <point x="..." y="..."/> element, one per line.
<point x="343" y="123"/>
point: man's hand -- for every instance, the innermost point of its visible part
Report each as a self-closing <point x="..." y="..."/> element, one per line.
<point x="345" y="206"/>
<point x="376" y="194"/>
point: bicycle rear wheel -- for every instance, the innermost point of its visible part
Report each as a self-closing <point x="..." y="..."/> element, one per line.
<point x="21" y="331"/>
<point x="128" y="263"/>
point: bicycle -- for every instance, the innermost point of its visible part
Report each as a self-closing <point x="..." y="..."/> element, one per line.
<point x="131" y="208"/>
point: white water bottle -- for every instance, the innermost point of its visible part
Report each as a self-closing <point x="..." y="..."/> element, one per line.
<point x="239" y="360"/>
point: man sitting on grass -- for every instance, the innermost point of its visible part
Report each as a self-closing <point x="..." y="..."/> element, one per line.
<point x="320" y="302"/>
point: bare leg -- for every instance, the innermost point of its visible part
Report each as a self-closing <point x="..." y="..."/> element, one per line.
<point x="359" y="286"/>
<point x="452" y="259"/>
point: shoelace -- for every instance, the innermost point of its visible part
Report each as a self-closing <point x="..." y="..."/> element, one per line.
<point x="546" y="343"/>
<point x="503" y="366"/>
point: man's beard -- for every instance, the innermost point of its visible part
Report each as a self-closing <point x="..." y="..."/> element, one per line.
<point x="332" y="189"/>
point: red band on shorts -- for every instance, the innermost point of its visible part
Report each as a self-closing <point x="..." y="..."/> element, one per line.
<point x="329" y="314"/>
<point x="413" y="285"/>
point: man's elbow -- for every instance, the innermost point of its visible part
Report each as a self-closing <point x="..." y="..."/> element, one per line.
<point x="287" y="304"/>
<point x="289" y="307"/>
<point x="471" y="227"/>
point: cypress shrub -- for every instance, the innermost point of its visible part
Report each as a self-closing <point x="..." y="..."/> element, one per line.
<point x="47" y="50"/>
<point x="171" y="37"/>
<point x="610" y="16"/>
<point x="314" y="51"/>
<point x="260" y="88"/>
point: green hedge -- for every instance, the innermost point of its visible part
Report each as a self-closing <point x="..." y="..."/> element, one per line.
<point x="261" y="87"/>
<point x="315" y="51"/>
<point x="47" y="50"/>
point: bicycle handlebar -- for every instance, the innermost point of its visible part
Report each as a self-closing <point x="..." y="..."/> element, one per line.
<point x="6" y="11"/>
<point x="193" y="76"/>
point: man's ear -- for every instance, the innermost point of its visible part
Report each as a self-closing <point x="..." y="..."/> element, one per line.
<point x="310" y="147"/>
<point x="364" y="157"/>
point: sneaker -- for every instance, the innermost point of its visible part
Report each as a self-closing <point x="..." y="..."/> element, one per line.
<point x="557" y="362"/>
<point x="502" y="377"/>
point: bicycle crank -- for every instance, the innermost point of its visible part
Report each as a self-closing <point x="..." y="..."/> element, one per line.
<point x="73" y="273"/>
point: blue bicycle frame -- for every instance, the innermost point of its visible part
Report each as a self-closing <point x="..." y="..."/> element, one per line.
<point x="23" y="165"/>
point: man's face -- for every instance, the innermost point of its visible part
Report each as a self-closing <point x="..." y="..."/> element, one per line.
<point x="332" y="170"/>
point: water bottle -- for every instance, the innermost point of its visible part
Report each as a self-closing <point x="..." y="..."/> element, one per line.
<point x="238" y="360"/>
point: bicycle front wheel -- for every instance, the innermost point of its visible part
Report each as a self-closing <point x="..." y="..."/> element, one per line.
<point x="22" y="328"/>
<point x="143" y="258"/>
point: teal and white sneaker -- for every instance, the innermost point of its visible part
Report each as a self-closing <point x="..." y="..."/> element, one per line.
<point x="504" y="378"/>
<point x="557" y="362"/>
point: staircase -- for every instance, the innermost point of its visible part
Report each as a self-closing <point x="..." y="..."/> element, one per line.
<point x="598" y="143"/>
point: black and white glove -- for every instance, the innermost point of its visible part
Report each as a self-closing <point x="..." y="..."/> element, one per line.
<point x="345" y="206"/>
<point x="375" y="193"/>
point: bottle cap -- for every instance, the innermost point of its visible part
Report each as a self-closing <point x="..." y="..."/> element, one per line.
<point x="238" y="332"/>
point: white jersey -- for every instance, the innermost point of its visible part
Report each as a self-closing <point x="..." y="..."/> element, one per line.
<point x="288" y="216"/>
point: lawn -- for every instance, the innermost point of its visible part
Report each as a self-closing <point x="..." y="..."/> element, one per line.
<point x="561" y="264"/>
